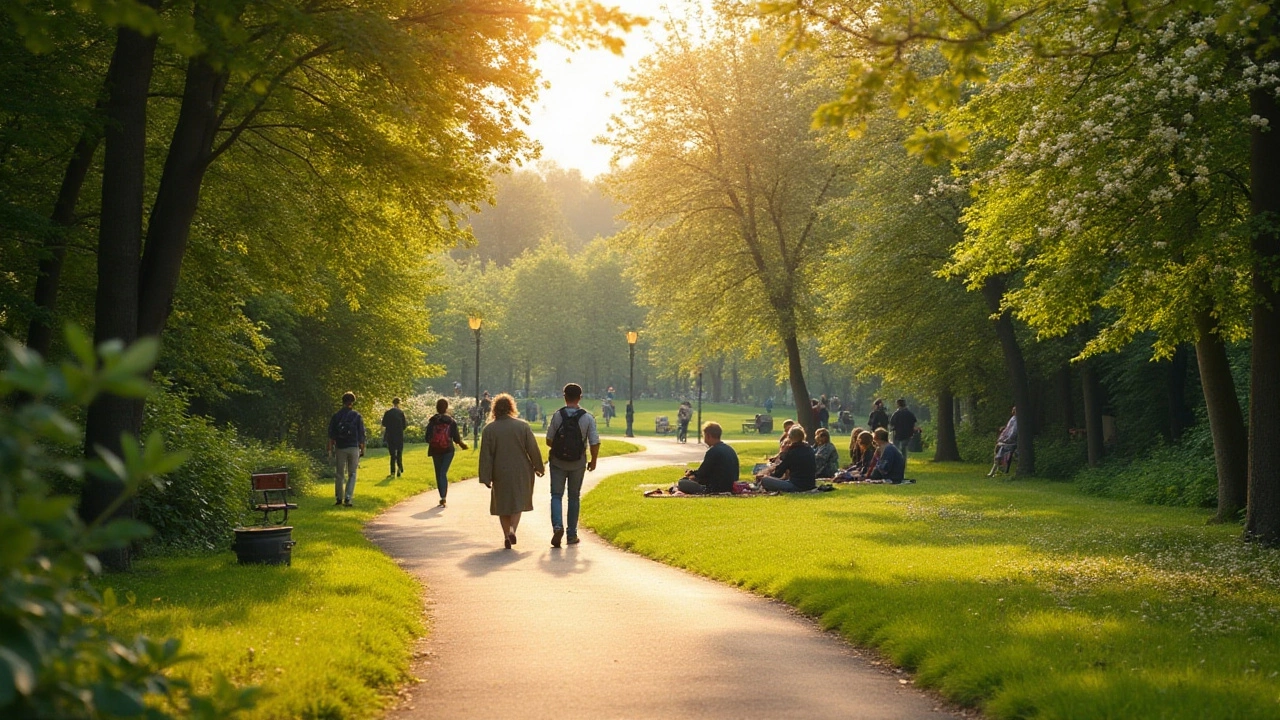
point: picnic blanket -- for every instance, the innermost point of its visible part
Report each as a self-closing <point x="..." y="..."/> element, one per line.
<point x="749" y="491"/>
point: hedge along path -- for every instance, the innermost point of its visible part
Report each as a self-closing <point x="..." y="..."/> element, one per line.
<point x="593" y="631"/>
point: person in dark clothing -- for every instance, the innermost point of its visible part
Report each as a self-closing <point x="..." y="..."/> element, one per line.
<point x="442" y="434"/>
<point x="346" y="444"/>
<point x="822" y="412"/>
<point x="903" y="426"/>
<point x="799" y="462"/>
<point x="891" y="465"/>
<point x="393" y="425"/>
<point x="719" y="469"/>
<point x="879" y="418"/>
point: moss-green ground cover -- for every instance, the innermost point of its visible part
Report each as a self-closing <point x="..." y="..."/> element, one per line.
<point x="1026" y="599"/>
<point x="328" y="637"/>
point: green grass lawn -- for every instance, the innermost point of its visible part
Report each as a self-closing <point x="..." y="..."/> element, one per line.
<point x="1026" y="599"/>
<point x="328" y="637"/>
<point x="729" y="415"/>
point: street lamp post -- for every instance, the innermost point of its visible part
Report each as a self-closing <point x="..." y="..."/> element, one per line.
<point x="699" y="404"/>
<point x="474" y="323"/>
<point x="632" y="336"/>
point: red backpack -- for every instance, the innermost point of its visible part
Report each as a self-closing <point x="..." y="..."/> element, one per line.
<point x="440" y="438"/>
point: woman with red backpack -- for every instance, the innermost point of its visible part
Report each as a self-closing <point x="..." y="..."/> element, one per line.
<point x="442" y="435"/>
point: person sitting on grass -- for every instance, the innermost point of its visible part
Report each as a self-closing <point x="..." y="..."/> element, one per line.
<point x="797" y="464"/>
<point x="784" y="441"/>
<point x="719" y="469"/>
<point x="825" y="454"/>
<point x="891" y="465"/>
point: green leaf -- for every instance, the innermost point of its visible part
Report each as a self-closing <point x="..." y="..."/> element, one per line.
<point x="80" y="344"/>
<point x="116" y="701"/>
<point x="16" y="676"/>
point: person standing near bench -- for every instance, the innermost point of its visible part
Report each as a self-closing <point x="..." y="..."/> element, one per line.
<point x="346" y="444"/>
<point x="393" y="425"/>
<point x="719" y="469"/>
<point x="442" y="435"/>
<point x="878" y="418"/>
<point x="571" y="431"/>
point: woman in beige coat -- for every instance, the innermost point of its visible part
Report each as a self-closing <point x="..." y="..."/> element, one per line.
<point x="509" y="458"/>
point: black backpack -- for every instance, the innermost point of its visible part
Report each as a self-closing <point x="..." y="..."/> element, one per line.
<point x="347" y="431"/>
<point x="568" y="445"/>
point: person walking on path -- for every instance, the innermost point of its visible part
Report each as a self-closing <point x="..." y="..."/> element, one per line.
<point x="442" y="434"/>
<point x="683" y="416"/>
<point x="572" y="430"/>
<point x="878" y="418"/>
<point x="719" y="469"/>
<point x="346" y="445"/>
<point x="903" y="426"/>
<point x="509" y="460"/>
<point x="393" y="425"/>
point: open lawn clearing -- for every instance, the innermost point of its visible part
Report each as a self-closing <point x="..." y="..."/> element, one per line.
<point x="731" y="416"/>
<point x="1023" y="598"/>
<point x="328" y="637"/>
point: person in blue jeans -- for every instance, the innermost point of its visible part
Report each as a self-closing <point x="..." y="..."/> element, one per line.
<point x="442" y="434"/>
<point x="568" y="472"/>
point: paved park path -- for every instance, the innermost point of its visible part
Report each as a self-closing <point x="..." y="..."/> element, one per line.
<point x="590" y="631"/>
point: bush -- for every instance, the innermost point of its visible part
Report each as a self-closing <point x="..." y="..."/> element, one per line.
<point x="1059" y="457"/>
<point x="56" y="659"/>
<point x="976" y="447"/>
<point x="1179" y="475"/>
<point x="198" y="505"/>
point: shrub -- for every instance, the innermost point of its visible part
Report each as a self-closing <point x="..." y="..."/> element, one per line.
<point x="198" y="505"/>
<point x="1178" y="475"/>
<point x="56" y="660"/>
<point x="1059" y="457"/>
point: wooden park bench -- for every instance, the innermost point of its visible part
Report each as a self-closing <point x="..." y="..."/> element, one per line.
<point x="749" y="426"/>
<point x="661" y="425"/>
<point x="271" y="495"/>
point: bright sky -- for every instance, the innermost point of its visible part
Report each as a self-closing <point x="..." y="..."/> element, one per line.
<point x="584" y="95"/>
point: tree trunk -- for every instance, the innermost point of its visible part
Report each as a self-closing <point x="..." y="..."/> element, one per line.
<point x="178" y="196"/>
<point x="1262" y="522"/>
<point x="527" y="374"/>
<point x="1176" y="394"/>
<point x="993" y="293"/>
<point x="717" y="380"/>
<point x="1226" y="420"/>
<point x="119" y="245"/>
<point x="946" y="448"/>
<point x="1062" y="381"/>
<point x="737" y="382"/>
<point x="49" y="275"/>
<point x="799" y="391"/>
<point x="973" y="412"/>
<point x="1092" y="411"/>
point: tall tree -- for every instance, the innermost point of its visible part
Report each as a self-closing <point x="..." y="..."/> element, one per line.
<point x="724" y="179"/>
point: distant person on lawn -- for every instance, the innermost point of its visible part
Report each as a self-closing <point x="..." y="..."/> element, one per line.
<point x="346" y="445"/>
<point x="683" y="417"/>
<point x="719" y="469"/>
<point x="825" y="454"/>
<point x="797" y="463"/>
<point x="442" y="434"/>
<point x="878" y="418"/>
<point x="902" y="423"/>
<point x="509" y="459"/>
<point x="891" y="466"/>
<point x="393" y="425"/>
<point x="570" y="434"/>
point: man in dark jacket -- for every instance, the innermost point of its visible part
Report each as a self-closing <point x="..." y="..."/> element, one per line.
<point x="797" y="463"/>
<point x="719" y="469"/>
<point x="879" y="418"/>
<point x="393" y="425"/>
<point x="902" y="424"/>
<point x="346" y="444"/>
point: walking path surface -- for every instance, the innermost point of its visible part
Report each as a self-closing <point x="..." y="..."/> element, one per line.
<point x="591" y="631"/>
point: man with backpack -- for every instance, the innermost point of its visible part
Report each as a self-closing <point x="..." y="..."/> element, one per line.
<point x="346" y="444"/>
<point x="570" y="433"/>
<point x="393" y="425"/>
<point x="442" y="434"/>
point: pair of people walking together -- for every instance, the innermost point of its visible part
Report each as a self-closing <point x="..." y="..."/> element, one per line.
<point x="510" y="459"/>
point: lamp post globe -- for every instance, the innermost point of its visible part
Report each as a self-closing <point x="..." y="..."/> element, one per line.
<point x="474" y="323"/>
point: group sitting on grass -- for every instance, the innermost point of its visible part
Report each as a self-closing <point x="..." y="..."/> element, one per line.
<point x="799" y="465"/>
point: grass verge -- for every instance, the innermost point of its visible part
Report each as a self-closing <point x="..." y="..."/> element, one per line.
<point x="326" y="638"/>
<point x="1026" y="599"/>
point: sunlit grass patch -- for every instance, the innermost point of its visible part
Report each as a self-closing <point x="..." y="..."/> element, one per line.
<point x="328" y="637"/>
<point x="1024" y="598"/>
